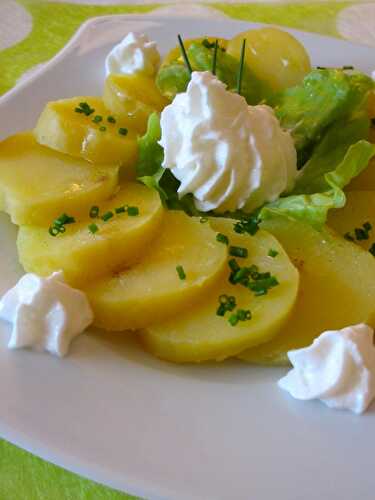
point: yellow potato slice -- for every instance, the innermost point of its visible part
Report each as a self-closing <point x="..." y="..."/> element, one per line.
<point x="133" y="98"/>
<point x="359" y="209"/>
<point x="275" y="56"/>
<point x="38" y="184"/>
<point x="337" y="288"/>
<point x="152" y="291"/>
<point x="84" y="256"/>
<point x="199" y="334"/>
<point x="62" y="128"/>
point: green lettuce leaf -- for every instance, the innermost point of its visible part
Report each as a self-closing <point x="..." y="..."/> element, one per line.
<point x="330" y="152"/>
<point x="152" y="174"/>
<point x="174" y="78"/>
<point x="324" y="97"/>
<point x="313" y="208"/>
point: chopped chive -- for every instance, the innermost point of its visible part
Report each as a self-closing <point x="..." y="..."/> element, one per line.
<point x="239" y="315"/>
<point x="133" y="211"/>
<point x="367" y="226"/>
<point x="184" y="54"/>
<point x="222" y="238"/>
<point x="94" y="212"/>
<point x="121" y="210"/>
<point x="108" y="215"/>
<point x="238" y="252"/>
<point x="233" y="264"/>
<point x="53" y="231"/>
<point x="93" y="228"/>
<point x="226" y="303"/>
<point x="63" y="219"/>
<point x="206" y="43"/>
<point x="97" y="119"/>
<point x="348" y="237"/>
<point x="123" y="131"/>
<point x="249" y="225"/>
<point x="102" y="128"/>
<point x="84" y="108"/>
<point x="181" y="272"/>
<point x="272" y="253"/>
<point x="203" y="220"/>
<point x="372" y="249"/>
<point x="240" y="69"/>
<point x="111" y="119"/>
<point x="214" y="59"/>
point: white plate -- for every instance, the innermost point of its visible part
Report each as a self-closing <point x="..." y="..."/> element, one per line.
<point x="114" y="414"/>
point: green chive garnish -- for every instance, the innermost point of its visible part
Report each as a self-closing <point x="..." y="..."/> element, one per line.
<point x="133" y="211"/>
<point x="97" y="119"/>
<point x="222" y="238"/>
<point x="249" y="225"/>
<point x="102" y="128"/>
<point x="239" y="315"/>
<point x="121" y="210"/>
<point x="108" y="215"/>
<point x="181" y="272"/>
<point x="184" y="54"/>
<point x="111" y="119"/>
<point x="94" y="212"/>
<point x="93" y="228"/>
<point x="123" y="131"/>
<point x="240" y="69"/>
<point x="272" y="253"/>
<point x="214" y="59"/>
<point x="348" y="237"/>
<point x="226" y="303"/>
<point x="238" y="252"/>
<point x="84" y="108"/>
<point x="53" y="231"/>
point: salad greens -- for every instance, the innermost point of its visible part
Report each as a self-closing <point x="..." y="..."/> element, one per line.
<point x="174" y="77"/>
<point x="324" y="96"/>
<point x="313" y="208"/>
<point x="325" y="115"/>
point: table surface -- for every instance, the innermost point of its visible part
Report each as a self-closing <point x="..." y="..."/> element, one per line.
<point x="25" y="43"/>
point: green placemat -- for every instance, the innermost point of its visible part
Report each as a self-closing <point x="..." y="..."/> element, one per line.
<point x="22" y="475"/>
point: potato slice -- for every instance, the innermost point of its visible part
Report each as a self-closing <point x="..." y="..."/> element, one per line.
<point x="62" y="128"/>
<point x="84" y="256"/>
<point x="38" y="184"/>
<point x="337" y="288"/>
<point x="274" y="55"/>
<point x="199" y="334"/>
<point x="359" y="209"/>
<point x="152" y="290"/>
<point x="133" y="98"/>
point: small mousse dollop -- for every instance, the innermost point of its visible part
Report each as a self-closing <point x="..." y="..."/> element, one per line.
<point x="228" y="154"/>
<point x="338" y="368"/>
<point x="134" y="54"/>
<point x="46" y="313"/>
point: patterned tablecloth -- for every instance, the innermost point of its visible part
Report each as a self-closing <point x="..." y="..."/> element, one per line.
<point x="31" y="32"/>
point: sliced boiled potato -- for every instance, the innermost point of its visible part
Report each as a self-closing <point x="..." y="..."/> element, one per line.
<point x="365" y="181"/>
<point x="275" y="56"/>
<point x="199" y="334"/>
<point x="84" y="256"/>
<point x="38" y="184"/>
<point x="359" y="209"/>
<point x="152" y="291"/>
<point x="133" y="98"/>
<point x="337" y="288"/>
<point x="64" y="129"/>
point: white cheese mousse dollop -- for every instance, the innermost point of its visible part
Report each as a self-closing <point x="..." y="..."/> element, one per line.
<point x="228" y="154"/>
<point x="338" y="368"/>
<point x="134" y="54"/>
<point x="46" y="313"/>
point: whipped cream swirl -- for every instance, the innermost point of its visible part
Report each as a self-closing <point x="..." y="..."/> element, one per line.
<point x="46" y="313"/>
<point x="134" y="54"/>
<point x="227" y="154"/>
<point x="338" y="368"/>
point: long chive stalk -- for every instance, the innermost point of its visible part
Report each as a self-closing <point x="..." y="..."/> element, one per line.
<point x="184" y="54"/>
<point x="214" y="59"/>
<point x="240" y="68"/>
